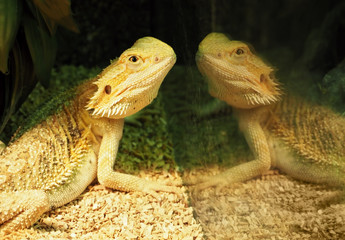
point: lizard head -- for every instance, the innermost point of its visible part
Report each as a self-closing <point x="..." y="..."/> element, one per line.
<point x="132" y="81"/>
<point x="236" y="75"/>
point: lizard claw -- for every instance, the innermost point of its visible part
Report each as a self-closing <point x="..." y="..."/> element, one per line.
<point x="191" y="180"/>
<point x="211" y="182"/>
<point x="152" y="189"/>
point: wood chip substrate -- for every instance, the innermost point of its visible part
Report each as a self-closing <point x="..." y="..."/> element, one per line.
<point x="101" y="213"/>
<point x="273" y="207"/>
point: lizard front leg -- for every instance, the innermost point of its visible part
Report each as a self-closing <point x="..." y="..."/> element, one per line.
<point x="20" y="210"/>
<point x="112" y="134"/>
<point x="258" y="144"/>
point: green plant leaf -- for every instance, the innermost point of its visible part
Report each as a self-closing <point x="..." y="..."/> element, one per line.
<point x="10" y="15"/>
<point x="16" y="86"/>
<point x="51" y="24"/>
<point x="58" y="11"/>
<point x="42" y="48"/>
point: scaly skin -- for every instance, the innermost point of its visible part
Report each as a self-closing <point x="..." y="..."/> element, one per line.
<point x="304" y="140"/>
<point x="54" y="161"/>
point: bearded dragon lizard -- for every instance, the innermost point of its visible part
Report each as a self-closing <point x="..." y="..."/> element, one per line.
<point x="304" y="140"/>
<point x="55" y="160"/>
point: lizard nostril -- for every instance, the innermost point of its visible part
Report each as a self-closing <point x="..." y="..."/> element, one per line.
<point x="107" y="89"/>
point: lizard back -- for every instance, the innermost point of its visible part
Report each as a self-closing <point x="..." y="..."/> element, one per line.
<point x="315" y="132"/>
<point x="47" y="156"/>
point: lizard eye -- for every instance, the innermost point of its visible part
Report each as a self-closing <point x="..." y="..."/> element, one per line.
<point x="107" y="89"/>
<point x="239" y="51"/>
<point x="134" y="62"/>
<point x="133" y="59"/>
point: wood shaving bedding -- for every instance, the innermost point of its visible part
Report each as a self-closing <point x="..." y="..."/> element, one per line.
<point x="271" y="207"/>
<point x="102" y="213"/>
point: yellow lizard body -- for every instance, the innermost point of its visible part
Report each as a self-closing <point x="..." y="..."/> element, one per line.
<point x="54" y="161"/>
<point x="304" y="140"/>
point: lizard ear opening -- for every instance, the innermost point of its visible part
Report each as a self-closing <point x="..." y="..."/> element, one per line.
<point x="107" y="89"/>
<point x="269" y="84"/>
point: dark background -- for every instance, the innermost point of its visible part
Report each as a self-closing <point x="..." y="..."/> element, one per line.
<point x="313" y="32"/>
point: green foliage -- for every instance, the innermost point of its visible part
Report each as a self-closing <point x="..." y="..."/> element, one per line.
<point x="146" y="144"/>
<point x="41" y="42"/>
<point x="56" y="12"/>
<point x="10" y="14"/>
<point x="26" y="59"/>
<point x="42" y="48"/>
